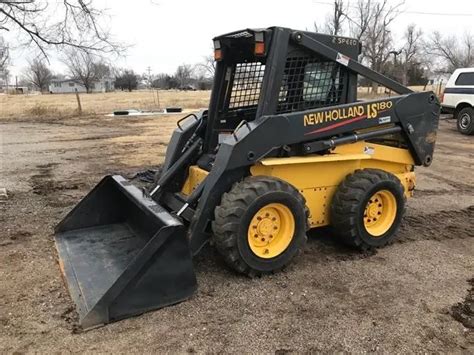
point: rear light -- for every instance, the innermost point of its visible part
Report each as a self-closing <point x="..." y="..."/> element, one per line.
<point x="259" y="48"/>
<point x="217" y="50"/>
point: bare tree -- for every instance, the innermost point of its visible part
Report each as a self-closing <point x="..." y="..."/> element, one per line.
<point x="360" y="18"/>
<point x="371" y="22"/>
<point x="38" y="74"/>
<point x="4" y="60"/>
<point x="207" y="67"/>
<point x="452" y="52"/>
<point x="65" y="23"/>
<point x="85" y="68"/>
<point x="335" y="21"/>
<point x="410" y="51"/>
<point x="4" y="54"/>
<point x="183" y="74"/>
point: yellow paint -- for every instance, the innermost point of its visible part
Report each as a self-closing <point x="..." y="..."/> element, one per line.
<point x="318" y="201"/>
<point x="408" y="181"/>
<point x="271" y="230"/>
<point x="313" y="159"/>
<point x="376" y="151"/>
<point x="318" y="176"/>
<point x="380" y="213"/>
<point x="195" y="176"/>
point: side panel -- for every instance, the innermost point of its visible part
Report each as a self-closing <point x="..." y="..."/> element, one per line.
<point x="318" y="178"/>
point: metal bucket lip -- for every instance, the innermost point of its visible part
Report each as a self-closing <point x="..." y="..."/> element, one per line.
<point x="96" y="312"/>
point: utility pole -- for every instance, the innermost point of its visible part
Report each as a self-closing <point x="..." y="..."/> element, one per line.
<point x="148" y="70"/>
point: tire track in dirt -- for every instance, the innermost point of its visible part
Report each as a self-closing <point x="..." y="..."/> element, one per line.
<point x="323" y="246"/>
<point x="44" y="185"/>
<point x="459" y="186"/>
<point x="464" y="311"/>
<point x="442" y="225"/>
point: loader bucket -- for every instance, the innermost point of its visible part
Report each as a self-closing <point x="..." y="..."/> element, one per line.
<point x="122" y="254"/>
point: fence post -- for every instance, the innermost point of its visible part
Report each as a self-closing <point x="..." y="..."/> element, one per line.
<point x="79" y="107"/>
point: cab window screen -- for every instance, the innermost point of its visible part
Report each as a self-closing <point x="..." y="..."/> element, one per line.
<point x="246" y="85"/>
<point x="318" y="81"/>
<point x="310" y="83"/>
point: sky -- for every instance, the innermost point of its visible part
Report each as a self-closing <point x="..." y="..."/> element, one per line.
<point x="164" y="34"/>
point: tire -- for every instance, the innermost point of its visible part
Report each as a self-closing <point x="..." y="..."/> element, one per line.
<point x="248" y="215"/>
<point x="465" y="121"/>
<point x="367" y="208"/>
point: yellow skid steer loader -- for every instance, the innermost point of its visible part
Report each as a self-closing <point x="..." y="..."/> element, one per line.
<point x="284" y="146"/>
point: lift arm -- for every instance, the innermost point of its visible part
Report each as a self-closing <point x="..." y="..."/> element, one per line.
<point x="353" y="65"/>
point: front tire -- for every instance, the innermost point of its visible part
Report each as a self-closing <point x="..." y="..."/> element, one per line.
<point x="367" y="208"/>
<point x="260" y="225"/>
<point x="465" y="121"/>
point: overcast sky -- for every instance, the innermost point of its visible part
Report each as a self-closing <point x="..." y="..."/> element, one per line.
<point x="167" y="33"/>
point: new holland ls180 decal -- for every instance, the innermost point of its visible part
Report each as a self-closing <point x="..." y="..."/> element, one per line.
<point x="346" y="115"/>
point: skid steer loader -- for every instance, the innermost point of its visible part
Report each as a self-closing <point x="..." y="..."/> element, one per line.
<point x="285" y="146"/>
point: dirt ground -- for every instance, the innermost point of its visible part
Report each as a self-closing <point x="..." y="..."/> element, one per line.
<point x="332" y="298"/>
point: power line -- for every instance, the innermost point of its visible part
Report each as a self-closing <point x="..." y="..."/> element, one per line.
<point x="408" y="12"/>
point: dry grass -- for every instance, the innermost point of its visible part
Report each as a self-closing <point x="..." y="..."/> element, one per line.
<point x="60" y="106"/>
<point x="65" y="105"/>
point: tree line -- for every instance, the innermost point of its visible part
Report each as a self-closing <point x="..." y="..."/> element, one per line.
<point x="76" y="29"/>
<point x="87" y="69"/>
<point x="410" y="60"/>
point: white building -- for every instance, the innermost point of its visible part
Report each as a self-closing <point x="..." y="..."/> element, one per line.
<point x="71" y="85"/>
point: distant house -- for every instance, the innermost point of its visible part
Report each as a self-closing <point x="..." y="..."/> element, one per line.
<point x="70" y="85"/>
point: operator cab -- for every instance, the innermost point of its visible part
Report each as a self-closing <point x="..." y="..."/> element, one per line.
<point x="251" y="72"/>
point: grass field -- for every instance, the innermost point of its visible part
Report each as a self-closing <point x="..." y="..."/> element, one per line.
<point x="65" y="105"/>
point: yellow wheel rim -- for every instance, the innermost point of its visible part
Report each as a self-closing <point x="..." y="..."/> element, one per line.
<point x="380" y="213"/>
<point x="271" y="230"/>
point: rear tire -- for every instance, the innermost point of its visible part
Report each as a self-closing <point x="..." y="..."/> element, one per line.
<point x="465" y="121"/>
<point x="367" y="208"/>
<point x="260" y="225"/>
